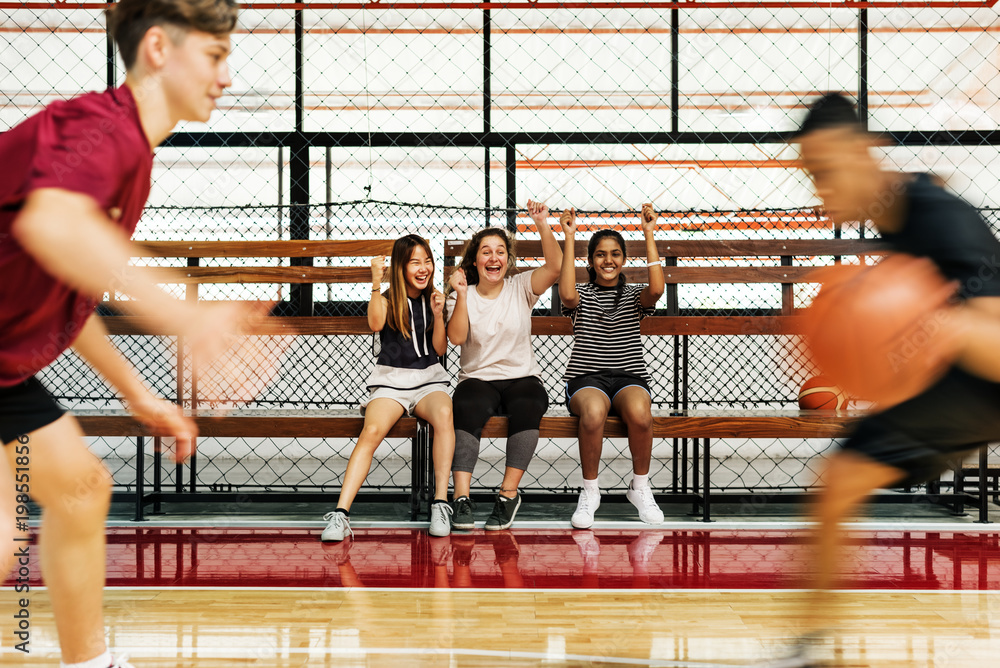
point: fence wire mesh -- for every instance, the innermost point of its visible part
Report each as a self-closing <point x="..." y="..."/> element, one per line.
<point x="469" y="111"/>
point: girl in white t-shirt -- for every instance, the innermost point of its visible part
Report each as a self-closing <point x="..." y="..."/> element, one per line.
<point x="489" y="316"/>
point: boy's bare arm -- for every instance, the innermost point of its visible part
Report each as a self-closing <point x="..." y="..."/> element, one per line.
<point x="73" y="239"/>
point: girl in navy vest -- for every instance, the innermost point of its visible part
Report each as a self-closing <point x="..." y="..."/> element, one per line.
<point x="408" y="377"/>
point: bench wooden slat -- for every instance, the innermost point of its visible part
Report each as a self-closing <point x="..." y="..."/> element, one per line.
<point x="346" y="424"/>
<point x="277" y="248"/>
<point x="241" y="425"/>
<point x="713" y="247"/>
<point x="540" y="326"/>
<point x="316" y="326"/>
<point x="702" y="275"/>
<point x="242" y="275"/>
<point x="749" y="424"/>
<point x="671" y="325"/>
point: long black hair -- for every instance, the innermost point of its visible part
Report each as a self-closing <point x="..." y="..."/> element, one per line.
<point x="592" y="247"/>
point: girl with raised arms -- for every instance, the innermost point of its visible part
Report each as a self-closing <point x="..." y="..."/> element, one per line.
<point x="489" y="316"/>
<point x="408" y="377"/>
<point x="606" y="370"/>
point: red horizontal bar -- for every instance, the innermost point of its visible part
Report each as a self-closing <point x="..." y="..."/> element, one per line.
<point x="554" y="4"/>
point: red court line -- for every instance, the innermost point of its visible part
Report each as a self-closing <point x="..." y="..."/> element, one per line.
<point x="538" y="559"/>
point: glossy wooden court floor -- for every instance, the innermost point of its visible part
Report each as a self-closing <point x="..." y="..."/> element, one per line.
<point x="641" y="597"/>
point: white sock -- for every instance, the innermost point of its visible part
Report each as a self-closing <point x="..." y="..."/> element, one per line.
<point x="591" y="486"/>
<point x="102" y="661"/>
<point x="640" y="480"/>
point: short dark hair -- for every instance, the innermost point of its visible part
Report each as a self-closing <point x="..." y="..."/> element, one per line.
<point x="129" y="20"/>
<point x="833" y="110"/>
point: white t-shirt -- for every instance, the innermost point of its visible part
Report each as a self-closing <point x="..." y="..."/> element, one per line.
<point x="499" y="343"/>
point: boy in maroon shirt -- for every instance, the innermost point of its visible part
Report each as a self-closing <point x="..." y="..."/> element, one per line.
<point x="75" y="179"/>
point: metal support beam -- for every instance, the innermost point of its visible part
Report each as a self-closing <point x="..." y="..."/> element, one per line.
<point x="511" y="188"/>
<point x="863" y="67"/>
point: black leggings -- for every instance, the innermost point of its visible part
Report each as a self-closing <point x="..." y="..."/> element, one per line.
<point x="522" y="400"/>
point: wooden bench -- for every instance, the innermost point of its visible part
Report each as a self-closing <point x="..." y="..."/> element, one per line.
<point x="680" y="259"/>
<point x="677" y="423"/>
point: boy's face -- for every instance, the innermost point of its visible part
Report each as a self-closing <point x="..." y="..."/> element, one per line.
<point x="844" y="172"/>
<point x="195" y="73"/>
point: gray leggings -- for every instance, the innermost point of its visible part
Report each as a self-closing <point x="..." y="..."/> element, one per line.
<point x="522" y="400"/>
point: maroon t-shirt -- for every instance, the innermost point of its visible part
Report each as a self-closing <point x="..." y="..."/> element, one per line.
<point x="93" y="144"/>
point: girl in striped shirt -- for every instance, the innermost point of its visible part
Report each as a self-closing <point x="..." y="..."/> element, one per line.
<point x="606" y="370"/>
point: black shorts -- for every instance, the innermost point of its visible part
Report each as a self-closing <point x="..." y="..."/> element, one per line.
<point x="610" y="382"/>
<point x="932" y="432"/>
<point x="25" y="408"/>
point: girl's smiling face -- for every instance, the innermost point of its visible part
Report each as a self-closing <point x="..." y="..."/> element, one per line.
<point x="419" y="271"/>
<point x="491" y="259"/>
<point x="607" y="261"/>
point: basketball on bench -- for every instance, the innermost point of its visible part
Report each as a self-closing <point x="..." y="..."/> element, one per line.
<point x="820" y="393"/>
<point x="882" y="332"/>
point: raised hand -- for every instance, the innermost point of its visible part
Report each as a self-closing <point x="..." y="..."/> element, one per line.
<point x="437" y="301"/>
<point x="567" y="221"/>
<point x="458" y="282"/>
<point x="538" y="211"/>
<point x="649" y="218"/>
<point x="378" y="267"/>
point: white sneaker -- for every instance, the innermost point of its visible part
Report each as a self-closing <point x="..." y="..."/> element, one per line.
<point x="590" y="548"/>
<point x="644" y="502"/>
<point x="640" y="550"/>
<point x="337" y="528"/>
<point x="121" y="662"/>
<point x="583" y="516"/>
<point x="440" y="519"/>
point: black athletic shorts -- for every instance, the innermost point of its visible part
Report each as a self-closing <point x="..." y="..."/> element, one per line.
<point x="25" y="408"/>
<point x="931" y="432"/>
<point x="610" y="382"/>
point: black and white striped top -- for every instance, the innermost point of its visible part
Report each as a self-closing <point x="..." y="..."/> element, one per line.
<point x="605" y="337"/>
<point x="417" y="352"/>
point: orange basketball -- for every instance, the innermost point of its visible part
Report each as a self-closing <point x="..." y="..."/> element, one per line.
<point x="882" y="332"/>
<point x="819" y="393"/>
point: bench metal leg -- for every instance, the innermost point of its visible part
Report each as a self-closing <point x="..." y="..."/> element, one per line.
<point x="958" y="507"/>
<point x="157" y="473"/>
<point x="695" y="478"/>
<point x="706" y="515"/>
<point x="417" y="468"/>
<point x="984" y="497"/>
<point x="140" y="475"/>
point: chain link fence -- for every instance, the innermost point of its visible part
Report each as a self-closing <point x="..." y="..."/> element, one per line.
<point x="338" y="113"/>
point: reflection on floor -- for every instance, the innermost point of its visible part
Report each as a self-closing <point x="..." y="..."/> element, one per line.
<point x="538" y="559"/>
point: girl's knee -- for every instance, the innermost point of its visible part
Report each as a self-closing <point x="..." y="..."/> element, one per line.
<point x="442" y="417"/>
<point x="593" y="417"/>
<point x="640" y="419"/>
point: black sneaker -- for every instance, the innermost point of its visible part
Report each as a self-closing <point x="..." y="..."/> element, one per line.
<point x="503" y="513"/>
<point x="462" y="518"/>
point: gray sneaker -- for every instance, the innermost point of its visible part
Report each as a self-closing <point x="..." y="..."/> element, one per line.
<point x="440" y="518"/>
<point x="462" y="517"/>
<point x="503" y="513"/>
<point x="337" y="528"/>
